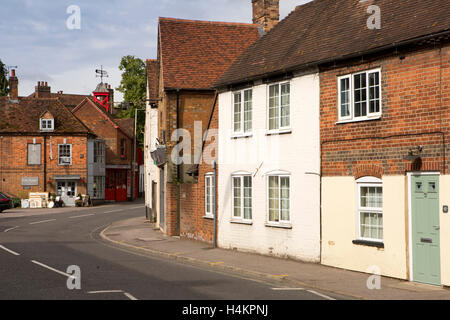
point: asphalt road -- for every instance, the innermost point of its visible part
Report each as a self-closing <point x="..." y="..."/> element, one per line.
<point x="36" y="251"/>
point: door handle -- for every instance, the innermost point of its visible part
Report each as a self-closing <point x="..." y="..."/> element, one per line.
<point x="437" y="228"/>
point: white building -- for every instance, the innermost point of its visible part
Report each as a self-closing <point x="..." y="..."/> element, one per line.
<point x="269" y="168"/>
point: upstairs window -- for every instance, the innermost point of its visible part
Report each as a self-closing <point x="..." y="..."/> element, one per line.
<point x="242" y="112"/>
<point x="359" y="96"/>
<point x="279" y="107"/>
<point x="123" y="148"/>
<point x="47" y="125"/>
<point x="34" y="154"/>
<point x="99" y="152"/>
<point x="65" y="154"/>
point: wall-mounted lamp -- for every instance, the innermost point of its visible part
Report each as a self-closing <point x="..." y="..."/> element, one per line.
<point x="413" y="154"/>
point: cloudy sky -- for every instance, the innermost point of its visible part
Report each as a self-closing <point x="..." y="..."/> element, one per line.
<point x="34" y="36"/>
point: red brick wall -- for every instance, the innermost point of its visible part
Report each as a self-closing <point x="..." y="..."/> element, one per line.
<point x="14" y="163"/>
<point x="193" y="106"/>
<point x="105" y="130"/>
<point x="415" y="105"/>
<point x="193" y="224"/>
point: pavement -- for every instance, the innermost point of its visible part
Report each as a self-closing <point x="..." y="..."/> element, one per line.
<point x="138" y="235"/>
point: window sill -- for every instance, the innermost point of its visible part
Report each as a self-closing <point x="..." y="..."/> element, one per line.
<point x="241" y="136"/>
<point x="208" y="217"/>
<point x="279" y="225"/>
<point x="249" y="223"/>
<point x="280" y="132"/>
<point x="358" y="120"/>
<point x="369" y="243"/>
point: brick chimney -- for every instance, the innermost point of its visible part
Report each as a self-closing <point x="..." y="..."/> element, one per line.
<point x="111" y="99"/>
<point x="266" y="13"/>
<point x="13" y="86"/>
<point x="42" y="90"/>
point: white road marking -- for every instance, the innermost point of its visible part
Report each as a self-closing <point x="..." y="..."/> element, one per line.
<point x="52" y="269"/>
<point x="288" y="289"/>
<point x="140" y="207"/>
<point x="7" y="230"/>
<point x="113" y="211"/>
<point x="105" y="291"/>
<point x="45" y="221"/>
<point x="10" y="251"/>
<point x="86" y="215"/>
<point x="129" y="296"/>
<point x="320" y="295"/>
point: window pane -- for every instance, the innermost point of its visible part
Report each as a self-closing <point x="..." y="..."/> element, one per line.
<point x="247" y="197"/>
<point x="374" y="92"/>
<point x="360" y="94"/>
<point x="237" y="112"/>
<point x="237" y="196"/>
<point x="208" y="195"/>
<point x="274" y="199"/>
<point x="247" y="110"/>
<point x="345" y="97"/>
<point x="285" y="195"/>
<point x="274" y="96"/>
<point x="285" y="105"/>
<point x="372" y="225"/>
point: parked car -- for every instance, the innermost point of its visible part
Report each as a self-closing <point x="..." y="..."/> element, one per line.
<point x="5" y="202"/>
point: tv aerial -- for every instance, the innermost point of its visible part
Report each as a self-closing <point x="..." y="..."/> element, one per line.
<point x="100" y="73"/>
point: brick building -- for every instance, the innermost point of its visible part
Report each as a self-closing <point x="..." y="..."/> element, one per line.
<point x="191" y="56"/>
<point x="384" y="131"/>
<point x="118" y="135"/>
<point x="43" y="147"/>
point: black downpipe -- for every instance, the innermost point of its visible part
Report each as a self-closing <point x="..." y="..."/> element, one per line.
<point x="178" y="167"/>
<point x="45" y="163"/>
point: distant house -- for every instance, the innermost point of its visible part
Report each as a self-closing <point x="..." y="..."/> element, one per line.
<point x="191" y="57"/>
<point x="118" y="134"/>
<point x="43" y="147"/>
<point x="43" y="90"/>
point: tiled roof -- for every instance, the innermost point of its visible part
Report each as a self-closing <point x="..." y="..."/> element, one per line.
<point x="323" y="30"/>
<point x="194" y="54"/>
<point x="127" y="125"/>
<point x="67" y="99"/>
<point x="23" y="117"/>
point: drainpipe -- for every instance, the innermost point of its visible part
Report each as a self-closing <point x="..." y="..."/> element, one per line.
<point x="178" y="168"/>
<point x="45" y="163"/>
<point x="214" y="204"/>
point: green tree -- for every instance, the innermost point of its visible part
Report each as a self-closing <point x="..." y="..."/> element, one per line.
<point x="134" y="87"/>
<point x="3" y="80"/>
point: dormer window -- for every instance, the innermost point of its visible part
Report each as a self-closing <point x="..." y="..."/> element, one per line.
<point x="47" y="125"/>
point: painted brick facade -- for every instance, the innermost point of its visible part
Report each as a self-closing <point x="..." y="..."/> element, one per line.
<point x="415" y="100"/>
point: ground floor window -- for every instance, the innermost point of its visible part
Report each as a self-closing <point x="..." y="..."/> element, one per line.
<point x="209" y="195"/>
<point x="370" y="209"/>
<point x="279" y="198"/>
<point x="98" y="190"/>
<point x="242" y="197"/>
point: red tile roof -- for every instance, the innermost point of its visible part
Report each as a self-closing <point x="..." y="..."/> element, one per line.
<point x="23" y="117"/>
<point x="194" y="54"/>
<point x="323" y="30"/>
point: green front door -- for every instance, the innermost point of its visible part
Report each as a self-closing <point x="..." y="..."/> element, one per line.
<point x="426" y="229"/>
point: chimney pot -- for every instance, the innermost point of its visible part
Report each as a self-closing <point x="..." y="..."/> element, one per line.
<point x="13" y="73"/>
<point x="13" y="87"/>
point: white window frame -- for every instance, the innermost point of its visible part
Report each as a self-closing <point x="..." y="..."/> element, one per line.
<point x="369" y="182"/>
<point x="280" y="128"/>
<point x="47" y="122"/>
<point x="59" y="156"/>
<point x="241" y="217"/>
<point x="210" y="214"/>
<point x="99" y="151"/>
<point x="351" y="117"/>
<point x="242" y="132"/>
<point x="279" y="222"/>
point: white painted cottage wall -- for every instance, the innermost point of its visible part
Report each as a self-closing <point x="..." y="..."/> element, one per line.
<point x="299" y="154"/>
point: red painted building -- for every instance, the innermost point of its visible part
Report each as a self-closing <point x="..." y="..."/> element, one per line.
<point x="119" y="138"/>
